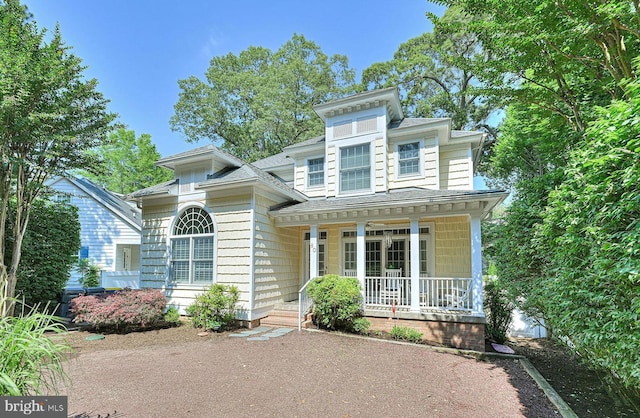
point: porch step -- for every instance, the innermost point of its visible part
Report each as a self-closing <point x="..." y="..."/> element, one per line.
<point x="284" y="315"/>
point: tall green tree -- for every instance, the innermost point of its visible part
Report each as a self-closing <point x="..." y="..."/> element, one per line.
<point x="260" y="101"/>
<point x="129" y="163"/>
<point x="592" y="232"/>
<point x="51" y="115"/>
<point x="436" y="74"/>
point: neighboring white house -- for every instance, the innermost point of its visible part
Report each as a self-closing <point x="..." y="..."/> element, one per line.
<point x="380" y="197"/>
<point x="109" y="231"/>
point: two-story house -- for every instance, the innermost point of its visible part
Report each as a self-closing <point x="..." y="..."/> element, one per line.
<point x="380" y="197"/>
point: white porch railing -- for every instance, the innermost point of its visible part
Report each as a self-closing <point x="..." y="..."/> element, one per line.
<point x="436" y="293"/>
<point x="120" y="279"/>
<point x="304" y="303"/>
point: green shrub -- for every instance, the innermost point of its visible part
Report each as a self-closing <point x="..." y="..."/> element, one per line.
<point x="217" y="306"/>
<point x="406" y="334"/>
<point x="337" y="302"/>
<point x="32" y="359"/>
<point x="172" y="315"/>
<point x="90" y="273"/>
<point x="49" y="251"/>
<point x="498" y="310"/>
<point x="361" y="325"/>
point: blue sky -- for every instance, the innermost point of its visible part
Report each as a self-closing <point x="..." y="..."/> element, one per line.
<point x="139" y="49"/>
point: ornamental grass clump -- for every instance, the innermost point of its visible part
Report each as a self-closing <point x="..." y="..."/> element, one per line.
<point x="32" y="355"/>
<point x="121" y="310"/>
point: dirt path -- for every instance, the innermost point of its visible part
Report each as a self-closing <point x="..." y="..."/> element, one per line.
<point x="301" y="374"/>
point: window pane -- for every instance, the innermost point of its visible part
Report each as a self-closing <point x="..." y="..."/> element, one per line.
<point x="203" y="248"/>
<point x="355" y="168"/>
<point x="409" y="158"/>
<point x="180" y="249"/>
<point x="350" y="256"/>
<point x="193" y="221"/>
<point x="316" y="172"/>
<point x="202" y="271"/>
<point x="373" y="260"/>
<point x="180" y="271"/>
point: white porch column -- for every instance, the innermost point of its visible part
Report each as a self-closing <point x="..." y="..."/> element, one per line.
<point x="415" y="265"/>
<point x="313" y="252"/>
<point x="360" y="251"/>
<point x="476" y="266"/>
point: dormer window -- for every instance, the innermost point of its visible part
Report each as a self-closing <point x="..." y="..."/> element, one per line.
<point x="355" y="168"/>
<point x="409" y="159"/>
<point x="315" y="172"/>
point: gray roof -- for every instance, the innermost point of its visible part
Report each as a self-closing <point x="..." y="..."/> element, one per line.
<point x="248" y="172"/>
<point x="408" y="122"/>
<point x="393" y="197"/>
<point x="156" y="189"/>
<point x="126" y="210"/>
<point x="273" y="161"/>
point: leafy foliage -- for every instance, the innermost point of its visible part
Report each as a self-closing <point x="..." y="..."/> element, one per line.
<point x="32" y="354"/>
<point x="498" y="310"/>
<point x="121" y="310"/>
<point x="592" y="230"/>
<point x="51" y="115"/>
<point x="406" y="334"/>
<point x="49" y="251"/>
<point x="129" y="163"/>
<point x="172" y="315"/>
<point x="260" y="101"/>
<point x="337" y="302"/>
<point x="217" y="306"/>
<point x="435" y="71"/>
<point x="90" y="273"/>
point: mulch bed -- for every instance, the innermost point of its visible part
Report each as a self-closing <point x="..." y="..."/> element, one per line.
<point x="175" y="372"/>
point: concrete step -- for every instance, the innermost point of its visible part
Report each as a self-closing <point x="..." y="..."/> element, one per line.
<point x="280" y="312"/>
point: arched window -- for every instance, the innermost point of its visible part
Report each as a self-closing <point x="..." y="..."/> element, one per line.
<point x="192" y="247"/>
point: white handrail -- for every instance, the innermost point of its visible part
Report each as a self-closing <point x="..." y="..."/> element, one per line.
<point x="303" y="301"/>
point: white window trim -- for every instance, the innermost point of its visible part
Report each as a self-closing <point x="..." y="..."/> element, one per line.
<point x="372" y="165"/>
<point x="420" y="173"/>
<point x="190" y="285"/>
<point x="306" y="173"/>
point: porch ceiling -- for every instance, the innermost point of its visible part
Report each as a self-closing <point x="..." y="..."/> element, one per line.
<point x="395" y="204"/>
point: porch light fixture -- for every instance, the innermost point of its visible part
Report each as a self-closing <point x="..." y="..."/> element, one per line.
<point x="388" y="239"/>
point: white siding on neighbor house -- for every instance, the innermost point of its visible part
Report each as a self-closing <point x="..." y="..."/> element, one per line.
<point x="277" y="251"/>
<point x="100" y="229"/>
<point x="456" y="167"/>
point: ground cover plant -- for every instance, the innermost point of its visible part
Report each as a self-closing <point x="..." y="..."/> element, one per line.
<point x="121" y="311"/>
<point x="31" y="363"/>
<point x="216" y="308"/>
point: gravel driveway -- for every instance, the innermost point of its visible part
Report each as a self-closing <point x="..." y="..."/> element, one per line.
<point x="301" y="374"/>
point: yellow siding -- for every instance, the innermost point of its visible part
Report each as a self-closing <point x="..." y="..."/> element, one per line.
<point x="153" y="248"/>
<point x="453" y="247"/>
<point x="276" y="255"/>
<point x="233" y="238"/>
<point x="456" y="168"/>
<point x="299" y="175"/>
<point x="429" y="157"/>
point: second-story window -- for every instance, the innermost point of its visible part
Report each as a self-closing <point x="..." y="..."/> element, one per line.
<point x="315" y="172"/>
<point x="355" y="168"/>
<point x="409" y="159"/>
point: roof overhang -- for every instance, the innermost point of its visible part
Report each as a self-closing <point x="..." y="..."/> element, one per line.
<point x="382" y="208"/>
<point x="361" y="101"/>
